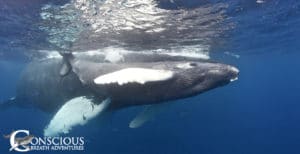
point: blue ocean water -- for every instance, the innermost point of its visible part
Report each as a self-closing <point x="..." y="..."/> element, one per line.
<point x="257" y="114"/>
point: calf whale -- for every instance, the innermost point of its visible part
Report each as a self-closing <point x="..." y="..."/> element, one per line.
<point x="77" y="89"/>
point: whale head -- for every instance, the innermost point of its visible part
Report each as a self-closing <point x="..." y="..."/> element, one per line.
<point x="192" y="78"/>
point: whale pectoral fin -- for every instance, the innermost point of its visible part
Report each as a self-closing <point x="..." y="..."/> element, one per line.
<point x="77" y="111"/>
<point x="147" y="114"/>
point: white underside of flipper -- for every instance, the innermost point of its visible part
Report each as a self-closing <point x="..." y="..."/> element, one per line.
<point x="77" y="111"/>
<point x="149" y="112"/>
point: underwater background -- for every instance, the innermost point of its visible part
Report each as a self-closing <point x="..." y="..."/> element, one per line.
<point x="257" y="114"/>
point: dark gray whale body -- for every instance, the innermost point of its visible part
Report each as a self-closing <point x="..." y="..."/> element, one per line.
<point x="42" y="85"/>
<point x="52" y="84"/>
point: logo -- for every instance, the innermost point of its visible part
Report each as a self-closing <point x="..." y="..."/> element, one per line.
<point x="22" y="141"/>
<point x="19" y="144"/>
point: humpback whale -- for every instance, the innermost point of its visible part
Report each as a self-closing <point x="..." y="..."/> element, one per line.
<point x="76" y="89"/>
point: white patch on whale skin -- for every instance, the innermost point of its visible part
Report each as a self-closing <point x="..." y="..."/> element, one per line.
<point x="138" y="75"/>
<point x="184" y="66"/>
<point x="234" y="69"/>
<point x="234" y="79"/>
<point x="114" y="56"/>
<point x="215" y="71"/>
<point x="77" y="111"/>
